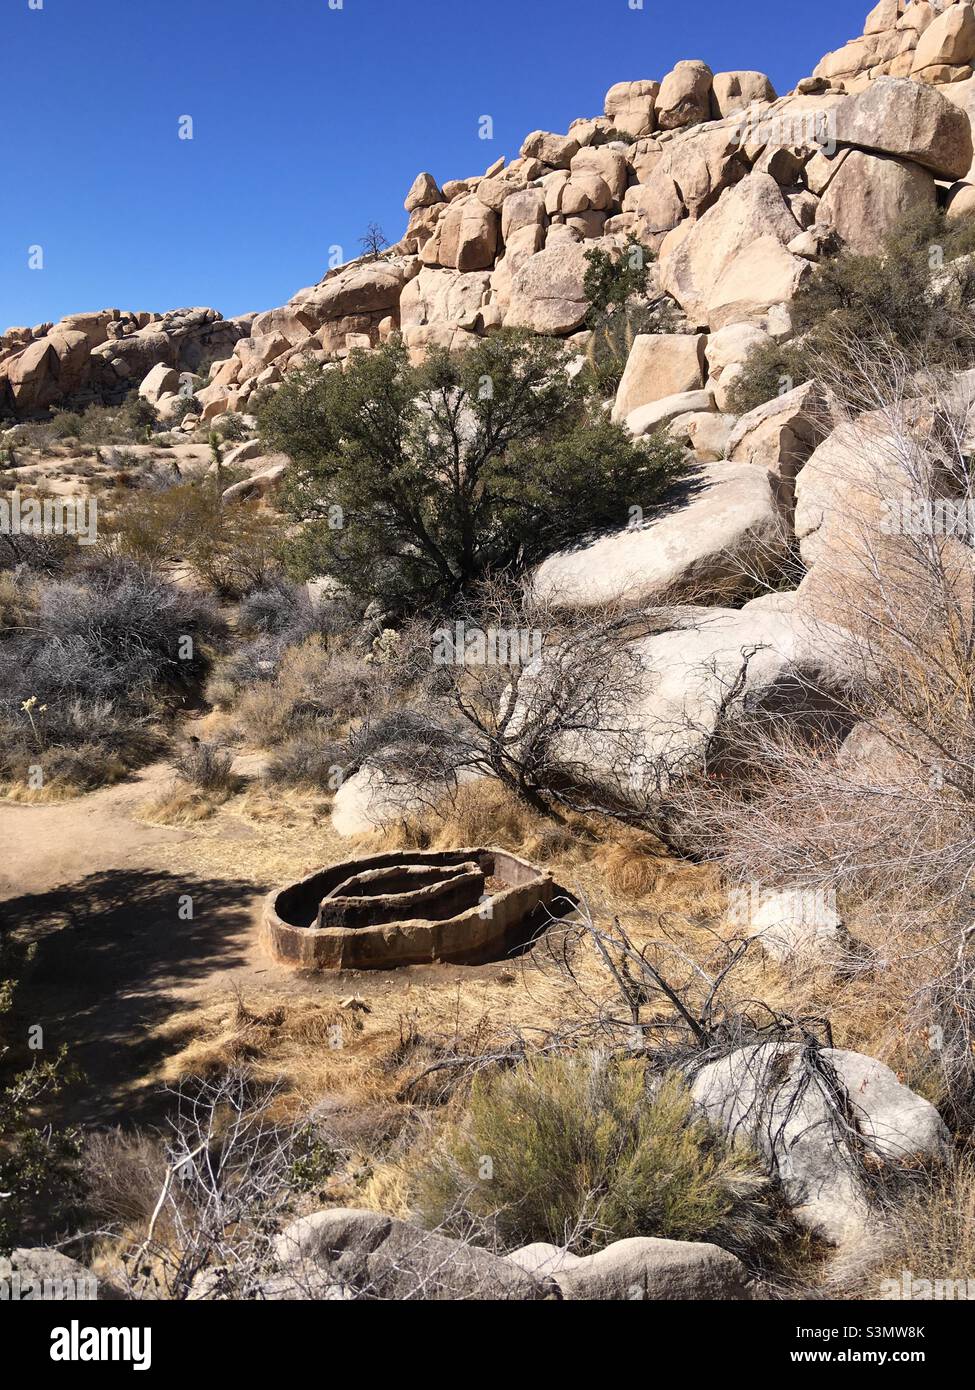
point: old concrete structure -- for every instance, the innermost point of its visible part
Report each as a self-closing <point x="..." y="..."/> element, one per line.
<point x="411" y="908"/>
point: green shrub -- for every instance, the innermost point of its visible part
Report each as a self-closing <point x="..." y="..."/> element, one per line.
<point x="137" y="418"/>
<point x="414" y="482"/>
<point x="67" y="424"/>
<point x="770" y="370"/>
<point x="186" y="405"/>
<point x="570" y="1149"/>
<point x="233" y="428"/>
<point x="613" y="279"/>
<point x="39" y="1172"/>
<point x="900" y="294"/>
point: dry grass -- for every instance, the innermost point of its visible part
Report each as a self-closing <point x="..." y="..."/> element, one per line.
<point x="272" y="1039"/>
<point x="53" y="791"/>
<point x="184" y="805"/>
<point x="931" y="1237"/>
<point x="620" y="865"/>
<point x="283" y="1033"/>
<point x="68" y="772"/>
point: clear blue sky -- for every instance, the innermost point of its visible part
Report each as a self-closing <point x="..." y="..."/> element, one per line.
<point x="309" y="122"/>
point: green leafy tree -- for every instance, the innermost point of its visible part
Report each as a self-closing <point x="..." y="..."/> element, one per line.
<point x="414" y="482"/>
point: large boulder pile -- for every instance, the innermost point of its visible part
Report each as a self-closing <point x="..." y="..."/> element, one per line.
<point x="102" y="356"/>
<point x="738" y="191"/>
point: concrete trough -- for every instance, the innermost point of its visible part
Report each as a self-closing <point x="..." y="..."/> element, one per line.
<point x="411" y="907"/>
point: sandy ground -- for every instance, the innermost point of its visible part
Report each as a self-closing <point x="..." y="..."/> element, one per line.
<point x="102" y="895"/>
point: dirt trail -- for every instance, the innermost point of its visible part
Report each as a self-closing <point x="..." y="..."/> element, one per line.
<point x="103" y="897"/>
<point x="130" y="922"/>
<point x="52" y="844"/>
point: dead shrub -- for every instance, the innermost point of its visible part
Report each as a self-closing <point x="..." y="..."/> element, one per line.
<point x="233" y="549"/>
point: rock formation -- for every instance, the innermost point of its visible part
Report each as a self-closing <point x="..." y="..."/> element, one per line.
<point x="735" y="188"/>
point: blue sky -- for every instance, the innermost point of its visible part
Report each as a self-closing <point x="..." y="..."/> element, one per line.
<point x="309" y="122"/>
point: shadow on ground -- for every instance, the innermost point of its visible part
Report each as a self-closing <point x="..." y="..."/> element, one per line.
<point x="109" y="954"/>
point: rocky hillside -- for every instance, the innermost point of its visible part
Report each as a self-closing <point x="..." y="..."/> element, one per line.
<point x="736" y="189"/>
<point x="733" y="724"/>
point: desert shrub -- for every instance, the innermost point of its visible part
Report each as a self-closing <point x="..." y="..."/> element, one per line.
<point x="77" y="748"/>
<point x="204" y="781"/>
<point x="915" y="291"/>
<point x="67" y="424"/>
<point x="221" y="1215"/>
<point x="769" y="371"/>
<point x="119" y="633"/>
<point x="42" y="555"/>
<point x="573" y="680"/>
<point x="613" y="335"/>
<point x="260" y="399"/>
<point x="616" y="285"/>
<point x="278" y="608"/>
<point x="128" y="423"/>
<point x="38" y="1172"/>
<point x="613" y="279"/>
<point x="374" y="242"/>
<point x="313" y="688"/>
<point x="233" y="429"/>
<point x="186" y="405"/>
<point x="137" y="417"/>
<point x="38" y="1162"/>
<point x="580" y="1156"/>
<point x="103" y="651"/>
<point x="206" y="766"/>
<point x="310" y="759"/>
<point x="414" y="481"/>
<point x="16" y="601"/>
<point x="896" y="287"/>
<point x="234" y="549"/>
<point x="159" y="475"/>
<point x="252" y="664"/>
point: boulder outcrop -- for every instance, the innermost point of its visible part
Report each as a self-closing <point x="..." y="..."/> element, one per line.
<point x="825" y="1122"/>
<point x="737" y="189"/>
